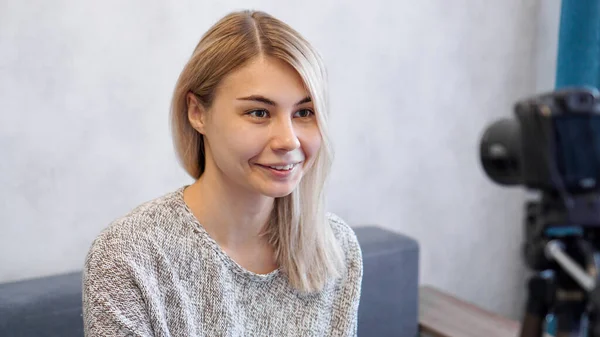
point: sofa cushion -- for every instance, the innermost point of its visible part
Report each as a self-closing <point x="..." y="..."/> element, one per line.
<point x="49" y="306"/>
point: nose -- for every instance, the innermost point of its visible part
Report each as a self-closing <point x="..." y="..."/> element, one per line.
<point x="284" y="137"/>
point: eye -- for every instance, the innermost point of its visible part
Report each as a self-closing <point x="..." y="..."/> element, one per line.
<point x="258" y="113"/>
<point x="304" y="113"/>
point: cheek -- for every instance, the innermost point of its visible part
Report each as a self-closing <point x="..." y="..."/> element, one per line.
<point x="311" y="143"/>
<point x="230" y="145"/>
<point x="244" y="143"/>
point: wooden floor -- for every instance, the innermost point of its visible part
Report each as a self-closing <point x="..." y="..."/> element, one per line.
<point x="442" y="315"/>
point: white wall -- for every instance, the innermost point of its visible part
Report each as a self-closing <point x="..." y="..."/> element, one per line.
<point x="84" y="97"/>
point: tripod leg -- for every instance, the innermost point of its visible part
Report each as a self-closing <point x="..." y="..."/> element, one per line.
<point x="569" y="314"/>
<point x="538" y="301"/>
<point x="532" y="326"/>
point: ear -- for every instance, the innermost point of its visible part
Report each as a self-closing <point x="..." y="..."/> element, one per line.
<point x="196" y="113"/>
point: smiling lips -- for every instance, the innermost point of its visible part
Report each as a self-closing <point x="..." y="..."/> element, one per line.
<point x="285" y="167"/>
<point x="280" y="170"/>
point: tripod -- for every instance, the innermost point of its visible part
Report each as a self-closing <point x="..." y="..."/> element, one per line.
<point x="565" y="258"/>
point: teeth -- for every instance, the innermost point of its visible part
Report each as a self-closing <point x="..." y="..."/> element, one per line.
<point x="283" y="168"/>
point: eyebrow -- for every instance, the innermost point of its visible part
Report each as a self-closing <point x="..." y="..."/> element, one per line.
<point x="262" y="99"/>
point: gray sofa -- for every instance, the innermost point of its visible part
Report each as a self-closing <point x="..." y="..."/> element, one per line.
<point x="51" y="306"/>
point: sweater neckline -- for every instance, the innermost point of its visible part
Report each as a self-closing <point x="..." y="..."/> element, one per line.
<point x="229" y="262"/>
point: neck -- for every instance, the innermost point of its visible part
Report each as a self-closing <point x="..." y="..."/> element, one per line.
<point x="231" y="215"/>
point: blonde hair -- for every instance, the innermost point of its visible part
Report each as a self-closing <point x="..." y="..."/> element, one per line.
<point x="305" y="246"/>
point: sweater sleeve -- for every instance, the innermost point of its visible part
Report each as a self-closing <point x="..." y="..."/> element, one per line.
<point x="347" y="319"/>
<point x="355" y="275"/>
<point x="112" y="301"/>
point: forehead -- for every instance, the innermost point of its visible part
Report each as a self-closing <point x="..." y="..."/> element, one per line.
<point x="266" y="76"/>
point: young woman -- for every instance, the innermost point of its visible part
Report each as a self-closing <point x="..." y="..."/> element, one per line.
<point x="247" y="249"/>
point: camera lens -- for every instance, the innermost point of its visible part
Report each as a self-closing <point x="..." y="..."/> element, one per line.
<point x="580" y="101"/>
<point x="500" y="153"/>
<point x="585" y="99"/>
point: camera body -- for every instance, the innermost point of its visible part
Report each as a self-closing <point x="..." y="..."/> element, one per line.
<point x="553" y="144"/>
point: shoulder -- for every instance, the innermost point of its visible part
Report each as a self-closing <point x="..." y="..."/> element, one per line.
<point x="345" y="235"/>
<point x="134" y="233"/>
<point x="353" y="258"/>
<point x="342" y="231"/>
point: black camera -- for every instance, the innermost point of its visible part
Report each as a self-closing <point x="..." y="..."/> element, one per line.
<point x="553" y="147"/>
<point x="553" y="144"/>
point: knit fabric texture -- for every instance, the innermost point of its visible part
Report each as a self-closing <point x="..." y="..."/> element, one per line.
<point x="157" y="272"/>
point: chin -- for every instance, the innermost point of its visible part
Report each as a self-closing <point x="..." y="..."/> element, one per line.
<point x="279" y="192"/>
<point x="274" y="189"/>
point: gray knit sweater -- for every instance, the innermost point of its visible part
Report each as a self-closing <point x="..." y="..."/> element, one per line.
<point x="156" y="272"/>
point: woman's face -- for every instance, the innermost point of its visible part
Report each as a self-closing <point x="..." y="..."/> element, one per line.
<point x="260" y="133"/>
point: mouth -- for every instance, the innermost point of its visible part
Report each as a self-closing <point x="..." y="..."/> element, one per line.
<point x="281" y="167"/>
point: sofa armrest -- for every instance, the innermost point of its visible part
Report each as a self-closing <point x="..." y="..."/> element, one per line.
<point x="389" y="299"/>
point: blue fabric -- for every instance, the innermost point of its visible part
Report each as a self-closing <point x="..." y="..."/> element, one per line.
<point x="390" y="290"/>
<point x="47" y="306"/>
<point x="578" y="62"/>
